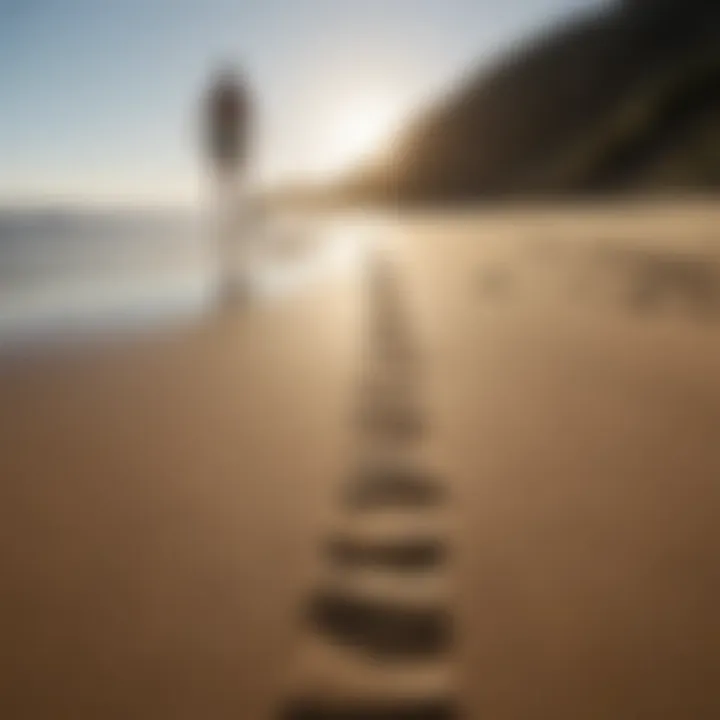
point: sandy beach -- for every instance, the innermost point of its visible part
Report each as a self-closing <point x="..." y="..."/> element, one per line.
<point x="159" y="497"/>
<point x="163" y="496"/>
<point x="580" y="430"/>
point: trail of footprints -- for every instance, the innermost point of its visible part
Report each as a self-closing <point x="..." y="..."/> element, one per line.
<point x="379" y="634"/>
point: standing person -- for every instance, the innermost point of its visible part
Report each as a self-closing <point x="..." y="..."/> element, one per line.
<point x="227" y="140"/>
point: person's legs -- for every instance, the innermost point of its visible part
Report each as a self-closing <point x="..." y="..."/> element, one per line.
<point x="226" y="231"/>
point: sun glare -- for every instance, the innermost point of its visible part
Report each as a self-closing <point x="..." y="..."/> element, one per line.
<point x="357" y="130"/>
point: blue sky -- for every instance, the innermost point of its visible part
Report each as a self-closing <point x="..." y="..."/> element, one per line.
<point x="98" y="98"/>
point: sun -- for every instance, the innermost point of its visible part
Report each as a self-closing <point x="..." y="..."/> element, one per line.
<point x="356" y="130"/>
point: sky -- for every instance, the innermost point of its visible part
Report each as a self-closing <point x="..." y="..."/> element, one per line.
<point x="100" y="99"/>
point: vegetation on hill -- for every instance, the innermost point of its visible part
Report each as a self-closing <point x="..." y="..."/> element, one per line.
<point x="624" y="99"/>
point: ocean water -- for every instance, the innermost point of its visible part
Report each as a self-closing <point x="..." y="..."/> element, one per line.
<point x="77" y="269"/>
<point x="67" y="271"/>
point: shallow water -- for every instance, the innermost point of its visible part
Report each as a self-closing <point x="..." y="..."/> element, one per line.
<point x="77" y="271"/>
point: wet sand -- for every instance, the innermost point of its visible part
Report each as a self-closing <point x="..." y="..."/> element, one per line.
<point x="159" y="500"/>
<point x="163" y="499"/>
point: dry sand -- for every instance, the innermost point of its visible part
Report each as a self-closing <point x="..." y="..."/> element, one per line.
<point x="581" y="430"/>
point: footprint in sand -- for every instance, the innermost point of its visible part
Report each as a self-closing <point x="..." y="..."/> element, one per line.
<point x="380" y="633"/>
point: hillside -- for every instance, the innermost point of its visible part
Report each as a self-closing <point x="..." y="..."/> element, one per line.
<point x="622" y="99"/>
